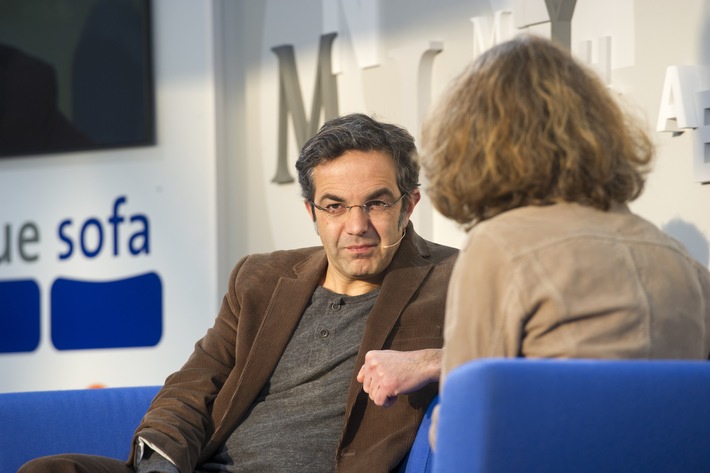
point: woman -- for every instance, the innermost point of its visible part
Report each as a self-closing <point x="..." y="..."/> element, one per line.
<point x="530" y="151"/>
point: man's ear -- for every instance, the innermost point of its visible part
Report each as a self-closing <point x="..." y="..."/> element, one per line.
<point x="310" y="209"/>
<point x="413" y="200"/>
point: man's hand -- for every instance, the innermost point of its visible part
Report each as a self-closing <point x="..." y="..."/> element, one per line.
<point x="388" y="373"/>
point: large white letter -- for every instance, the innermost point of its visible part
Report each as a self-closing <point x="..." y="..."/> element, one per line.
<point x="362" y="19"/>
<point x="677" y="110"/>
<point x="485" y="36"/>
<point x="603" y="64"/>
<point x="701" y="160"/>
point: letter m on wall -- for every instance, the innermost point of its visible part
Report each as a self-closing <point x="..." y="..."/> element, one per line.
<point x="325" y="99"/>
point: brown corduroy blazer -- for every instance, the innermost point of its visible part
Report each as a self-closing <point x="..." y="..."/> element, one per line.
<point x="202" y="403"/>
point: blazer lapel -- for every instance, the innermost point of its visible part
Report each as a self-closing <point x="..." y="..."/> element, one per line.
<point x="289" y="300"/>
<point x="405" y="274"/>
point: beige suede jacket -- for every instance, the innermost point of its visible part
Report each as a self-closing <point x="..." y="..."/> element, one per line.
<point x="570" y="281"/>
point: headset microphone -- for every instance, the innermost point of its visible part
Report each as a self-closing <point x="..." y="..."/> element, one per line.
<point x="398" y="241"/>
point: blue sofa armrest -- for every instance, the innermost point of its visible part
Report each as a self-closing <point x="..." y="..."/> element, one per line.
<point x="501" y="416"/>
<point x="93" y="421"/>
<point x="420" y="457"/>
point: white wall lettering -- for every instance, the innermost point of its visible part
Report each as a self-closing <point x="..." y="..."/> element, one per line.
<point x="677" y="110"/>
<point x="685" y="105"/>
<point x="485" y="35"/>
<point x="360" y="21"/>
<point x="417" y="60"/>
<point x="701" y="158"/>
<point x="603" y="63"/>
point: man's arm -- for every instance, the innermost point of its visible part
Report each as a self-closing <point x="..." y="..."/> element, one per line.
<point x="153" y="462"/>
<point x="388" y="373"/>
<point x="179" y="421"/>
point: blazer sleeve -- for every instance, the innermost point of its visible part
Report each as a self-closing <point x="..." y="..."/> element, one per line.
<point x="179" y="421"/>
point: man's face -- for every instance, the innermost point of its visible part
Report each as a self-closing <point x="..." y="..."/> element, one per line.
<point x="355" y="241"/>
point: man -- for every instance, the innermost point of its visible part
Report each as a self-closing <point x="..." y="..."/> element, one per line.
<point x="312" y="344"/>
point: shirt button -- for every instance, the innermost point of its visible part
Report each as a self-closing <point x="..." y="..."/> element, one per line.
<point x="324" y="332"/>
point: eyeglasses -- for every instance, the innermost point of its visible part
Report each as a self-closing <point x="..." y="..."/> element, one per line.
<point x="371" y="207"/>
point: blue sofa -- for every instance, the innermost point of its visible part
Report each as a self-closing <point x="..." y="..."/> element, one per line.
<point x="512" y="415"/>
<point x="97" y="421"/>
<point x="102" y="422"/>
<point x="535" y="416"/>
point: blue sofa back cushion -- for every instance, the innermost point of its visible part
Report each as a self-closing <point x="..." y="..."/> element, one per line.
<point x="502" y="416"/>
<point x="93" y="421"/>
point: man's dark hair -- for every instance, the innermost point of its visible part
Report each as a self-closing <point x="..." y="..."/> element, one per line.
<point x="358" y="132"/>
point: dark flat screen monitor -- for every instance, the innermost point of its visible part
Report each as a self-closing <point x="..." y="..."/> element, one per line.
<point x="75" y="76"/>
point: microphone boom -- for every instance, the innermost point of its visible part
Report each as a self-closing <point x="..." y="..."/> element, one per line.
<point x="398" y="241"/>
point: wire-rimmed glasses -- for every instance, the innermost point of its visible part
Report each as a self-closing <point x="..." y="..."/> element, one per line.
<point x="371" y="207"/>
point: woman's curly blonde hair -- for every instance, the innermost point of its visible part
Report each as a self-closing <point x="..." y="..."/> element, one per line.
<point x="526" y="124"/>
